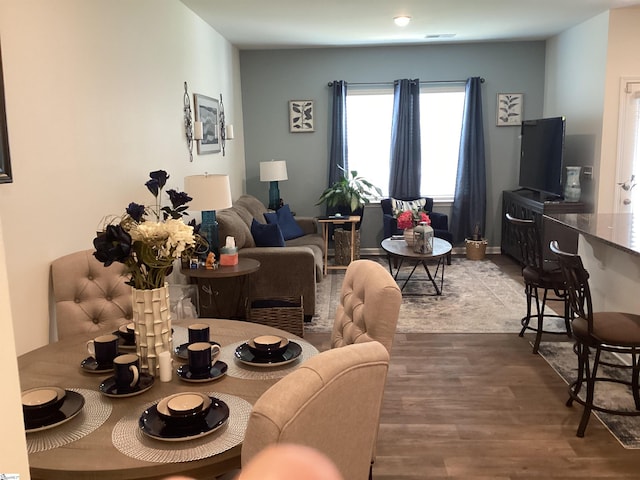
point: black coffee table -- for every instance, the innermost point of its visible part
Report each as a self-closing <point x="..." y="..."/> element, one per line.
<point x="399" y="249"/>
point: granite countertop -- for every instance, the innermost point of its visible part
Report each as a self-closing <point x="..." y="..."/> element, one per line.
<point x="620" y="230"/>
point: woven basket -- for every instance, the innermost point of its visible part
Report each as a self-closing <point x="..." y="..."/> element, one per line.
<point x="285" y="313"/>
<point x="476" y="249"/>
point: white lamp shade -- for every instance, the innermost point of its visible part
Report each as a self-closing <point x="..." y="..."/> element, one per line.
<point x="274" y="170"/>
<point x="209" y="192"/>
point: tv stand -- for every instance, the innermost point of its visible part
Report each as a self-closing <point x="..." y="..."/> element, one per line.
<point x="530" y="204"/>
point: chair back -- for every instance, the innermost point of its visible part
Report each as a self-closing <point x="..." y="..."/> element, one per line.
<point x="576" y="280"/>
<point x="369" y="306"/>
<point x="89" y="297"/>
<point x="528" y="237"/>
<point x="331" y="403"/>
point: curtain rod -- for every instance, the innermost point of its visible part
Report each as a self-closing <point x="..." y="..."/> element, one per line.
<point x="330" y="84"/>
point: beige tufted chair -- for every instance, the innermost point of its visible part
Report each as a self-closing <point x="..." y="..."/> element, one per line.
<point x="369" y="306"/>
<point x="89" y="296"/>
<point x="331" y="403"/>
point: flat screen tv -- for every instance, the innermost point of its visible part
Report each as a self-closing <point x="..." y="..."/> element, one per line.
<point x="541" y="155"/>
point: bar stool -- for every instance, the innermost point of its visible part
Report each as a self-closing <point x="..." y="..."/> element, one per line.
<point x="614" y="332"/>
<point x="538" y="274"/>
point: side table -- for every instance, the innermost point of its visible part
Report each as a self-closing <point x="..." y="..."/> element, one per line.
<point x="222" y="292"/>
<point x="325" y="222"/>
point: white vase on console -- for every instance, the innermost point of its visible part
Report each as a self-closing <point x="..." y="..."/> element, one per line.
<point x="572" y="188"/>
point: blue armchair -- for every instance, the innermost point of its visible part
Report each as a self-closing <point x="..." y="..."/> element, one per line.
<point x="439" y="221"/>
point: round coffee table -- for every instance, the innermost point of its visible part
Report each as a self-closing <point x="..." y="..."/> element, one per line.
<point x="399" y="249"/>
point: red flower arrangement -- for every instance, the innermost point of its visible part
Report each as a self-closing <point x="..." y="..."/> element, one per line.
<point x="409" y="219"/>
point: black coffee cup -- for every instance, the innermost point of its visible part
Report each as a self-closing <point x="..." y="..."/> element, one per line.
<point x="126" y="370"/>
<point x="103" y="348"/>
<point x="202" y="355"/>
<point x="198" y="332"/>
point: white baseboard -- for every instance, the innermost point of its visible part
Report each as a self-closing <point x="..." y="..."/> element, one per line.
<point x="377" y="251"/>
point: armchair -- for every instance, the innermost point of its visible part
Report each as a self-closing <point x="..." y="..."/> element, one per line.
<point x="439" y="221"/>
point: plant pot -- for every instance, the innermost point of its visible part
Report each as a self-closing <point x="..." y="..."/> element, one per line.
<point x="476" y="249"/>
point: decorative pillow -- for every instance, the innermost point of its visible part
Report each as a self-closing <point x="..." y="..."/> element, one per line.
<point x="267" y="235"/>
<point x="288" y="225"/>
<point x="399" y="206"/>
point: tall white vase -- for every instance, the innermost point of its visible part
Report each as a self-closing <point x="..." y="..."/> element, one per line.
<point x="572" y="188"/>
<point x="152" y="320"/>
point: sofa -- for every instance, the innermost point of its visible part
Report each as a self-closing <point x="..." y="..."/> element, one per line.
<point x="291" y="270"/>
<point x="439" y="221"/>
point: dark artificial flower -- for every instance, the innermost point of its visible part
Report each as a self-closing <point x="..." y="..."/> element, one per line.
<point x="160" y="177"/>
<point x="153" y="187"/>
<point x="112" y="246"/>
<point x="135" y="211"/>
<point x="178" y="198"/>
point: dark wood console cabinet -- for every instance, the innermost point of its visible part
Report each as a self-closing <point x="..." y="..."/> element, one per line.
<point x="528" y="204"/>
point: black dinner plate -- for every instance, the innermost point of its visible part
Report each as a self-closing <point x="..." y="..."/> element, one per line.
<point x="216" y="371"/>
<point x="110" y="389"/>
<point x="152" y="424"/>
<point x="72" y="405"/>
<point x="245" y="355"/>
<point x="181" y="351"/>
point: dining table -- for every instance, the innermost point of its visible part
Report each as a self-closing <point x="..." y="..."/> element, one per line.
<point x="105" y="441"/>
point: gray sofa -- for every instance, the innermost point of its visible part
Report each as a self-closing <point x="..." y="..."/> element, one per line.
<point x="292" y="270"/>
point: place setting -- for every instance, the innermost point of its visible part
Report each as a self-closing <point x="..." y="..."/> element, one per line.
<point x="127" y="337"/>
<point x="102" y="350"/>
<point x="54" y="416"/>
<point x="127" y="379"/>
<point x="182" y="427"/>
<point x="266" y="356"/>
<point x="197" y="332"/>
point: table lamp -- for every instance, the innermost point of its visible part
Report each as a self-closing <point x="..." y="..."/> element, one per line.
<point x="273" y="171"/>
<point x="209" y="193"/>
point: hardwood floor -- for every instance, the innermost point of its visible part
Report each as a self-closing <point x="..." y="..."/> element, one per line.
<point x="482" y="406"/>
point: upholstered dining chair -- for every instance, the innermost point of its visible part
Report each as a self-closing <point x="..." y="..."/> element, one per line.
<point x="598" y="332"/>
<point x="369" y="306"/>
<point x="89" y="297"/>
<point x="331" y="403"/>
<point x="539" y="275"/>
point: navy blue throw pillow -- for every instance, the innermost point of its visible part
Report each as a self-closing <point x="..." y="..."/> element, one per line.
<point x="288" y="225"/>
<point x="266" y="235"/>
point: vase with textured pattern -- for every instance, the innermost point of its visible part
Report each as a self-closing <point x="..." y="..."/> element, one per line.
<point x="408" y="236"/>
<point x="152" y="322"/>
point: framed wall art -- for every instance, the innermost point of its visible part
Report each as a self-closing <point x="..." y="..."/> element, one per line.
<point x="207" y="111"/>
<point x="5" y="160"/>
<point x="300" y="116"/>
<point x="509" y="109"/>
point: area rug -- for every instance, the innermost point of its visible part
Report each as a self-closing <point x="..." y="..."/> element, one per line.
<point x="563" y="360"/>
<point x="477" y="297"/>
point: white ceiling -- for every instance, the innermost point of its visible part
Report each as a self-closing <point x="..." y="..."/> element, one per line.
<point x="259" y="24"/>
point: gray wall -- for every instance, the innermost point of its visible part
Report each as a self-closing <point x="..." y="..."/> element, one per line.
<point x="270" y="78"/>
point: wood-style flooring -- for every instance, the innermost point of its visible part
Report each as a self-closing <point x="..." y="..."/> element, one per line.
<point x="482" y="406"/>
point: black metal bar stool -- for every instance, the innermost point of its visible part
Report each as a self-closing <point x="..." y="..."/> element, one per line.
<point x="539" y="275"/>
<point x="614" y="332"/>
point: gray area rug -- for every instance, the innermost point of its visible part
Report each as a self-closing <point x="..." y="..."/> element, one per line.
<point x="477" y="297"/>
<point x="563" y="360"/>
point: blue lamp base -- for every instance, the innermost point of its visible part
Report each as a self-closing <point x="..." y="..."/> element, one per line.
<point x="274" y="195"/>
<point x="209" y="229"/>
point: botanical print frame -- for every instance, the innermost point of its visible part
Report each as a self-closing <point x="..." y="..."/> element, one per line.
<point x="301" y="116"/>
<point x="509" y="109"/>
<point x="207" y="111"/>
<point x="5" y="159"/>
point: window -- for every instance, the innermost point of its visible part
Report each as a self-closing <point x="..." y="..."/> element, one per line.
<point x="369" y="114"/>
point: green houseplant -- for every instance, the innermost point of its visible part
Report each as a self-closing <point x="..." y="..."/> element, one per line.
<point x="349" y="194"/>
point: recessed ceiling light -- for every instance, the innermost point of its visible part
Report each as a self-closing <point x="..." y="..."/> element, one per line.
<point x="402" y="21"/>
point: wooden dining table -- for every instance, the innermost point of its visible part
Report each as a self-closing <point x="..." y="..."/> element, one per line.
<point x="94" y="456"/>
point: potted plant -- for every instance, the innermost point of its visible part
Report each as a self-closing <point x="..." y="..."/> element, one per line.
<point x="348" y="196"/>
<point x="476" y="246"/>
